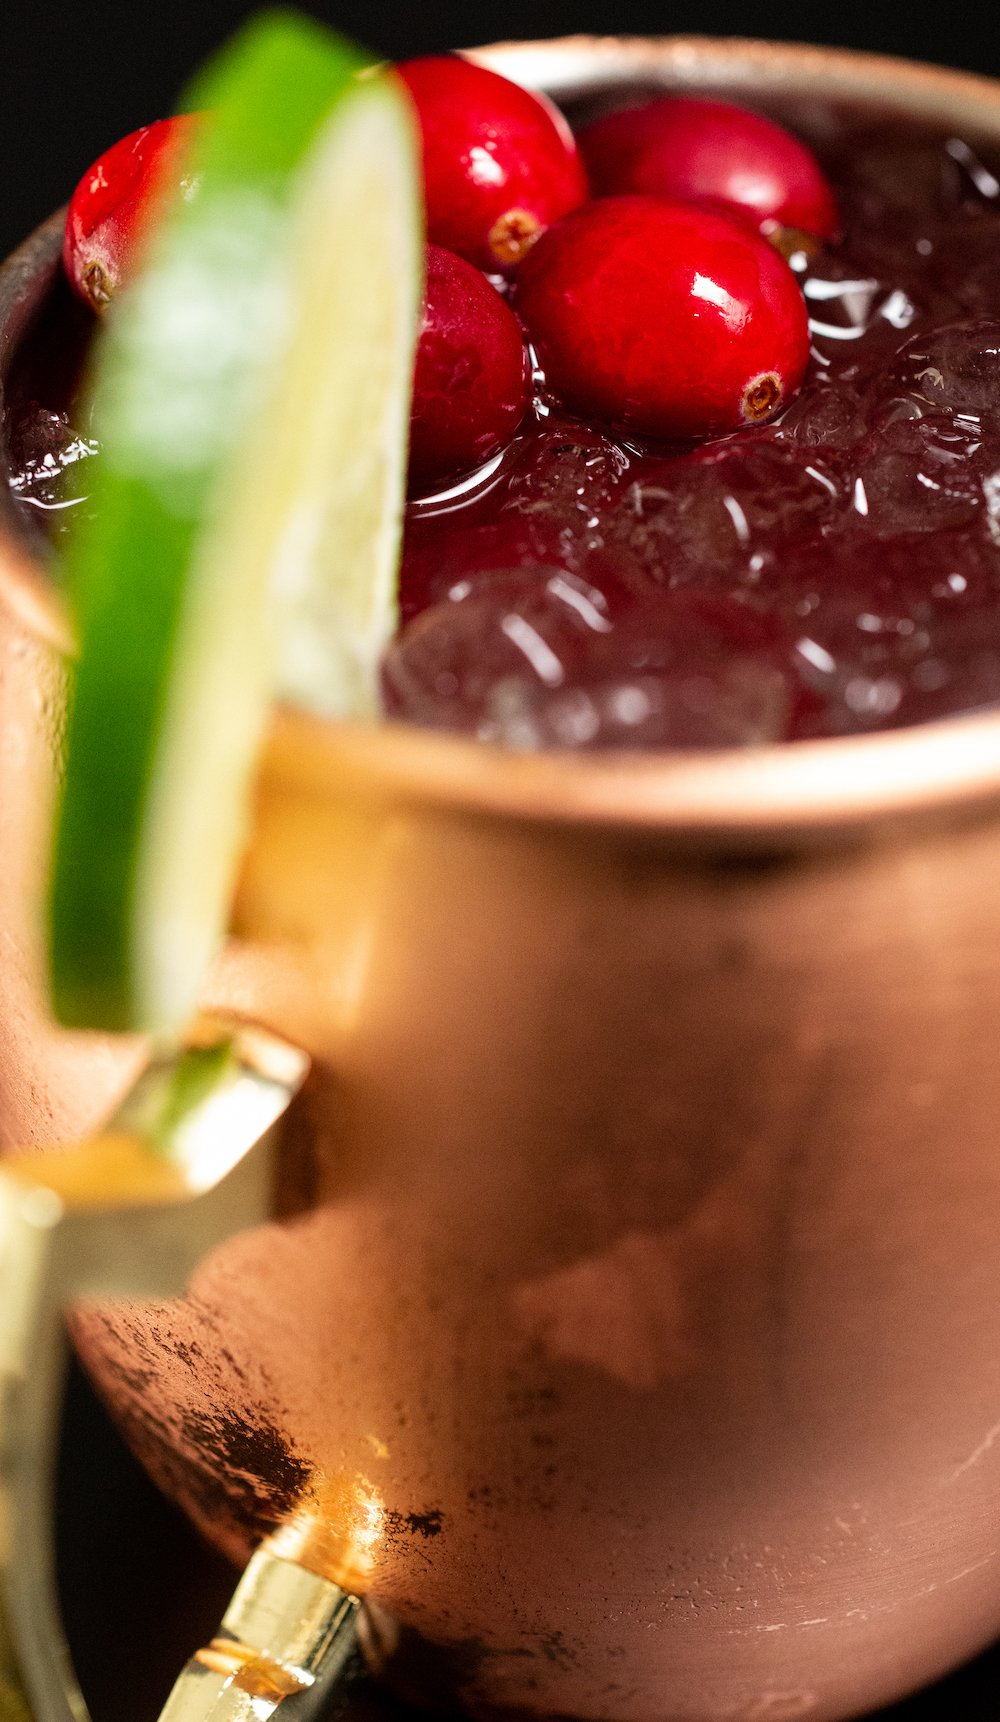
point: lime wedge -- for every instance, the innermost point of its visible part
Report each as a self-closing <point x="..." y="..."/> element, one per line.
<point x="251" y="398"/>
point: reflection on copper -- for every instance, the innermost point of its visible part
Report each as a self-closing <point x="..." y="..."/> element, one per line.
<point x="259" y="1676"/>
<point x="338" y="1532"/>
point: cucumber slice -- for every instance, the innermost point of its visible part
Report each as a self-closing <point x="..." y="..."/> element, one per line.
<point x="251" y="399"/>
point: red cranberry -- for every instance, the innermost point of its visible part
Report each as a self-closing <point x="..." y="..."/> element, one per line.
<point x="685" y="147"/>
<point x="668" y="319"/>
<point x="500" y="164"/>
<point x="471" y="380"/>
<point x="110" y="209"/>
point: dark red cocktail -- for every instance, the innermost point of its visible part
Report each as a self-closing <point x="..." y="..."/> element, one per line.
<point x="833" y="570"/>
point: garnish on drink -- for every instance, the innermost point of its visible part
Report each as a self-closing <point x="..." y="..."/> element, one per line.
<point x="251" y="400"/>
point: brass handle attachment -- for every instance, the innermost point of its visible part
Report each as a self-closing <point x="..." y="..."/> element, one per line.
<point x="287" y="1632"/>
<point x="188" y="1154"/>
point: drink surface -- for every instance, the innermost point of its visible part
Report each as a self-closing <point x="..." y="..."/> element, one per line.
<point x="834" y="571"/>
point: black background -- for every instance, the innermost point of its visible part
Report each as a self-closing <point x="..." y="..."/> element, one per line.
<point x="75" y="76"/>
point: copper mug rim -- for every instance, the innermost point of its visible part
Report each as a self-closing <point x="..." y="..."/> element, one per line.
<point x="774" y="795"/>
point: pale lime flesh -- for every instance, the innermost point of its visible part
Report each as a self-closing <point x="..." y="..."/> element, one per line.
<point x="251" y="399"/>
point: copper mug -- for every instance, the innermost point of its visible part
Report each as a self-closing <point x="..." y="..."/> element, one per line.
<point x="636" y="1259"/>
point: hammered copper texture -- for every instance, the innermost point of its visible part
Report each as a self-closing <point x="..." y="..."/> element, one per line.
<point x="634" y="1309"/>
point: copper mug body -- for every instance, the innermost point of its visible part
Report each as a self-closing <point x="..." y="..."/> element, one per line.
<point x="630" y="1309"/>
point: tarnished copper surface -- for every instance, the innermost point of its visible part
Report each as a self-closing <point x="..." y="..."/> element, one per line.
<point x="636" y="1288"/>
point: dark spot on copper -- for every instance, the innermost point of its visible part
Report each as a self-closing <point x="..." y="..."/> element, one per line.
<point x="400" y="1526"/>
<point x="554" y="1648"/>
<point x="235" y="1471"/>
<point x="426" y="1524"/>
<point x="532" y="1401"/>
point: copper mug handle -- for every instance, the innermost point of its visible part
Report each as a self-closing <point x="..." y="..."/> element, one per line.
<point x="185" y="1162"/>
